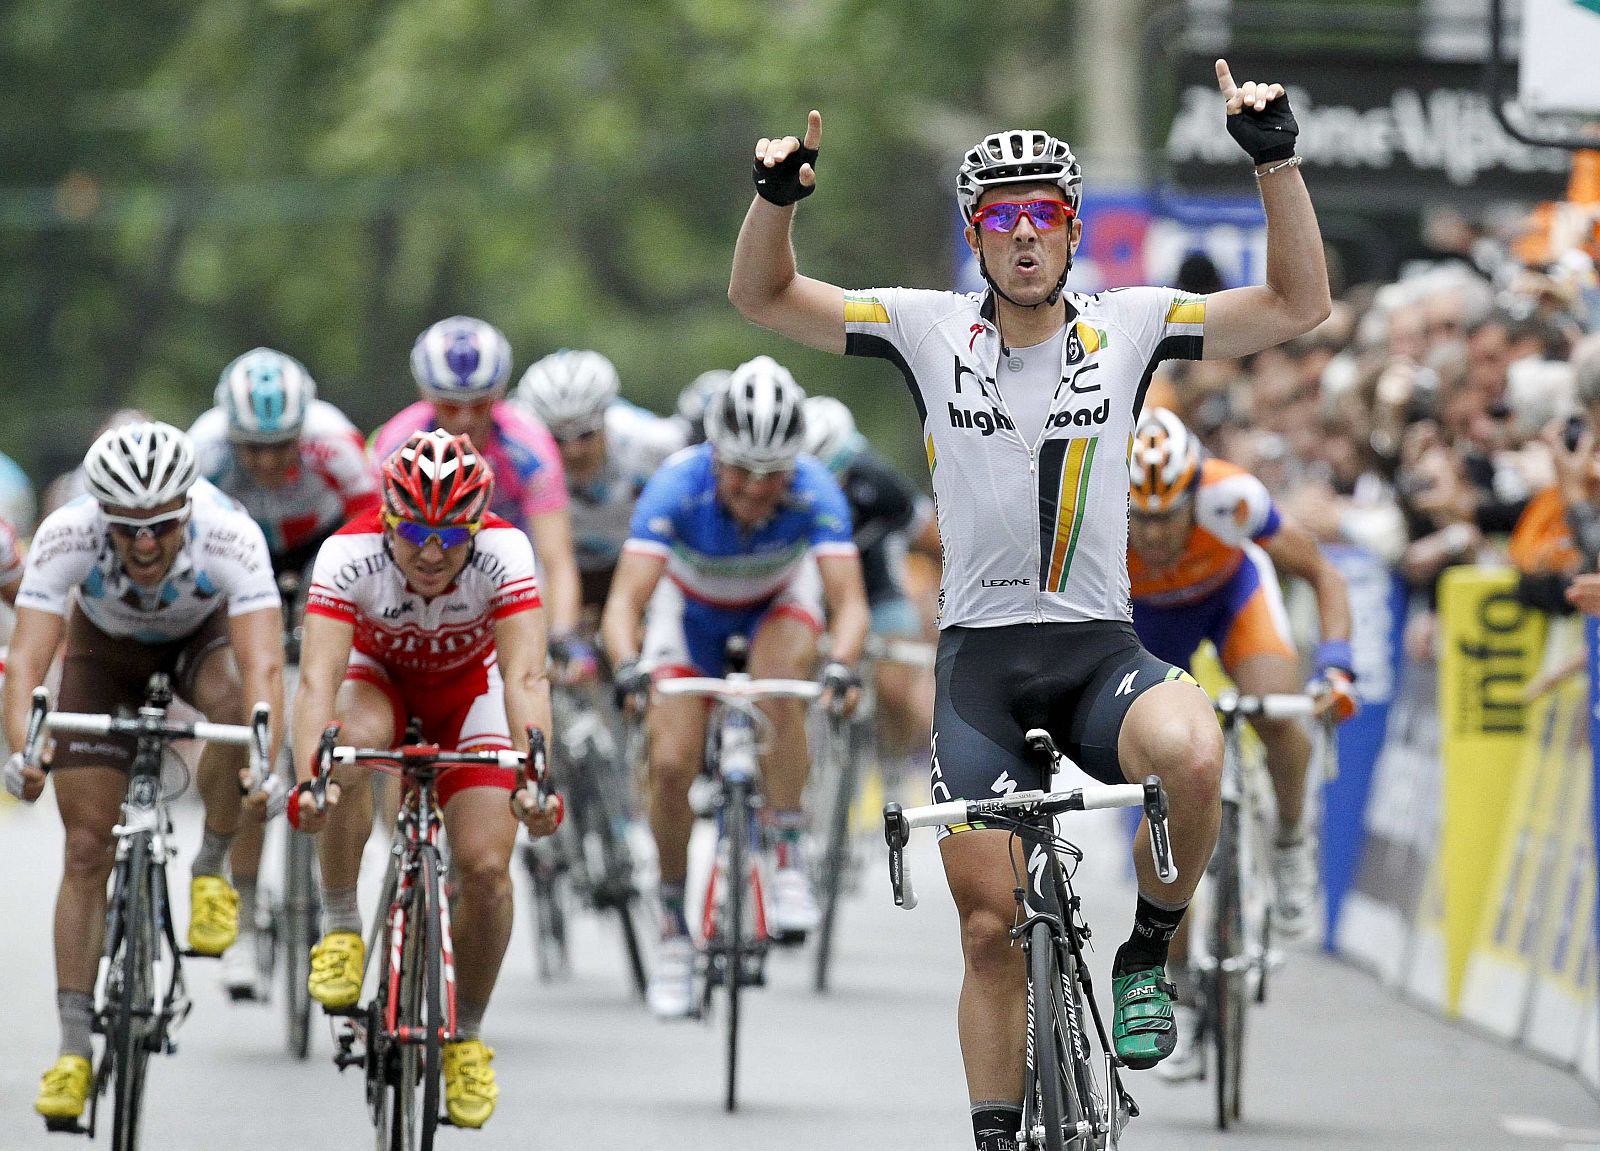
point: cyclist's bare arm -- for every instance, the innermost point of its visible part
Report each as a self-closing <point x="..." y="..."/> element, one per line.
<point x="519" y="644"/>
<point x="9" y="592"/>
<point x="766" y="286"/>
<point x="33" y="646"/>
<point x="257" y="641"/>
<point x="1295" y="297"/>
<point x="1294" y="552"/>
<point x="324" y="654"/>
<point x="845" y="592"/>
<point x="560" y="588"/>
<point x="631" y="587"/>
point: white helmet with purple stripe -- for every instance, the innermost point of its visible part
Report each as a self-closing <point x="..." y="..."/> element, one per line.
<point x="461" y="359"/>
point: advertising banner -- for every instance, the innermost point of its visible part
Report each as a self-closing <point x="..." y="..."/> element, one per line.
<point x="1560" y="43"/>
<point x="1377" y="607"/>
<point x="1489" y="647"/>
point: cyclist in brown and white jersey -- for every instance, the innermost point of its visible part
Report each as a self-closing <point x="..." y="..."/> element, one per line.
<point x="1027" y="396"/>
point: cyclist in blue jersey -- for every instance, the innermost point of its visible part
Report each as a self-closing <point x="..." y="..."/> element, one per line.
<point x="754" y="539"/>
<point x="1027" y="395"/>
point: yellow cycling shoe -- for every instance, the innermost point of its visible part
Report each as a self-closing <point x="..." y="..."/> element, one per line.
<point x="64" y="1089"/>
<point x="469" y="1086"/>
<point x="336" y="967"/>
<point x="213" y="914"/>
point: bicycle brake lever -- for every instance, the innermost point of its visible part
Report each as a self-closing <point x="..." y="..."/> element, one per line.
<point x="260" y="746"/>
<point x="1155" y="811"/>
<point x="324" y="768"/>
<point x="897" y="834"/>
<point x="37" y="711"/>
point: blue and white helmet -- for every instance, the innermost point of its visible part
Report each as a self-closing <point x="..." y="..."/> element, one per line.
<point x="265" y="395"/>
<point x="461" y="359"/>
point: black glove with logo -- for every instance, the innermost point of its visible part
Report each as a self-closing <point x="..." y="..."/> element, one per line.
<point x="1268" y="135"/>
<point x="780" y="184"/>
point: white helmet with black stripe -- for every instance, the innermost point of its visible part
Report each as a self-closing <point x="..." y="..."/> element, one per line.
<point x="141" y="465"/>
<point x="1023" y="156"/>
<point x="759" y="422"/>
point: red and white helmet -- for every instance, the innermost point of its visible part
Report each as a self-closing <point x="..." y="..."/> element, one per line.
<point x="1163" y="463"/>
<point x="439" y="479"/>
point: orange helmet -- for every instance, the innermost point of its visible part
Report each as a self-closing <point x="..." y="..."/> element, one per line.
<point x="1163" y="463"/>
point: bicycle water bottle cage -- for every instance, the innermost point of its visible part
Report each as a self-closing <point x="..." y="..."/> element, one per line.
<point x="736" y="655"/>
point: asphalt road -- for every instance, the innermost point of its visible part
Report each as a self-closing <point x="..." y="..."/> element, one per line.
<point x="1334" y="1060"/>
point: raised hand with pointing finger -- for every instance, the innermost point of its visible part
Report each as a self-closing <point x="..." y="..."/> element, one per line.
<point x="1258" y="117"/>
<point x="786" y="168"/>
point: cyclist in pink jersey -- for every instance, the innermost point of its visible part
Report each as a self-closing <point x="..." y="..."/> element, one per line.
<point x="462" y="366"/>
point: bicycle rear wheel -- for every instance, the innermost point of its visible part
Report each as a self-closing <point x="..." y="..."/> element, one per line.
<point x="1226" y="989"/>
<point x="132" y="978"/>
<point x="302" y="915"/>
<point x="737" y="817"/>
<point x="836" y="853"/>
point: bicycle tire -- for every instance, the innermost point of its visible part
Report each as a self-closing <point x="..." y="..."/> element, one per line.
<point x="1227" y="988"/>
<point x="547" y="878"/>
<point x="128" y="1046"/>
<point x="618" y="880"/>
<point x="1048" y="1089"/>
<point x="1085" y="1101"/>
<point x="836" y="854"/>
<point x="737" y="816"/>
<point x="415" y="1115"/>
<point x="302" y="914"/>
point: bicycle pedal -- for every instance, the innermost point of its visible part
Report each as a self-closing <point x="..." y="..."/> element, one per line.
<point x="65" y="1127"/>
<point x="788" y="938"/>
<point x="354" y="1011"/>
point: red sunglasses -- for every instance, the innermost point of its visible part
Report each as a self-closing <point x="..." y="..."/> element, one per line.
<point x="1002" y="216"/>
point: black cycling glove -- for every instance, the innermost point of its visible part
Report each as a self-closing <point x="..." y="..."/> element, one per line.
<point x="629" y="681"/>
<point x="780" y="184"/>
<point x="1268" y="135"/>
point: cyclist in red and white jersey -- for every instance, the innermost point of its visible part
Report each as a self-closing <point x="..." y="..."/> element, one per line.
<point x="1027" y="397"/>
<point x="427" y="609"/>
<point x="462" y="367"/>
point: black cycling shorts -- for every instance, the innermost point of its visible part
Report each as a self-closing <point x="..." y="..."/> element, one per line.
<point x="1075" y="680"/>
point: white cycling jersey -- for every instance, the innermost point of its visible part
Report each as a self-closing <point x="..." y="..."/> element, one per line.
<point x="1033" y="532"/>
<point x="355" y="580"/>
<point x="223" y="561"/>
<point x="638" y="442"/>
<point x="332" y="483"/>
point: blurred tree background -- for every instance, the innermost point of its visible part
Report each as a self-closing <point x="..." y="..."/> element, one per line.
<point x="186" y="181"/>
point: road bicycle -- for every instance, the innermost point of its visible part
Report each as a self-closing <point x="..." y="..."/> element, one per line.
<point x="140" y="997"/>
<point x="1235" y="901"/>
<point x="733" y="936"/>
<point x="588" y="861"/>
<point x="849" y="749"/>
<point x="1067" y="1105"/>
<point x="397" y="1038"/>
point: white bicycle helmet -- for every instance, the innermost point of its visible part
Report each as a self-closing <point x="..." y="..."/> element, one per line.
<point x="141" y="465"/>
<point x="831" y="433"/>
<point x="1018" y="157"/>
<point x="265" y="395"/>
<point x="759" y="422"/>
<point x="696" y="399"/>
<point x="1163" y="463"/>
<point x="569" y="391"/>
<point x="461" y="359"/>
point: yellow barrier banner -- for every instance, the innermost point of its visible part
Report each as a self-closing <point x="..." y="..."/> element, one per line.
<point x="1489" y="647"/>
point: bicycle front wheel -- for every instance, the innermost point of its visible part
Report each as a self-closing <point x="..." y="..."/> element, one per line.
<point x="836" y="854"/>
<point x="1046" y="1098"/>
<point x="1226" y="989"/>
<point x="737" y="818"/>
<point x="421" y="1017"/>
<point x="302" y="914"/>
<point x="131" y="987"/>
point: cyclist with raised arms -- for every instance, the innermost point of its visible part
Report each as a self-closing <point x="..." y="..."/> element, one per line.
<point x="609" y="449"/>
<point x="430" y="609"/>
<point x="299" y="467"/>
<point x="1206" y="544"/>
<point x="889" y="516"/>
<point x="1028" y="395"/>
<point x="153" y="570"/>
<point x="754" y="539"/>
<point x="462" y="367"/>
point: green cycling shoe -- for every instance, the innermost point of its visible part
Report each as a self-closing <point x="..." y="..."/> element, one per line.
<point x="1142" y="1029"/>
